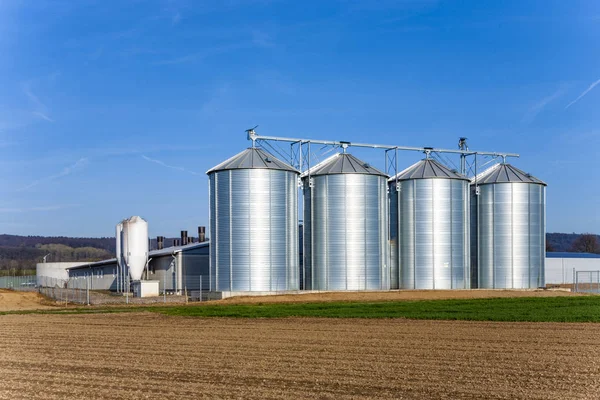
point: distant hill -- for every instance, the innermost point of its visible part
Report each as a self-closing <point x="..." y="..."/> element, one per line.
<point x="562" y="241"/>
<point x="23" y="252"/>
<point x="19" y="253"/>
<point x="105" y="243"/>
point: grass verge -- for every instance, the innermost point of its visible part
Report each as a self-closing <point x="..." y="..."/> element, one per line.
<point x="530" y="309"/>
<point x="533" y="309"/>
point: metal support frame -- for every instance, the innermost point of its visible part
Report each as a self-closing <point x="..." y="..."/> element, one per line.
<point x="301" y="157"/>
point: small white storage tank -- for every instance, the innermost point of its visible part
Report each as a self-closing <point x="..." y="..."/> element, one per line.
<point x="429" y="227"/>
<point x="509" y="240"/>
<point x="253" y="224"/>
<point x="132" y="245"/>
<point x="345" y="226"/>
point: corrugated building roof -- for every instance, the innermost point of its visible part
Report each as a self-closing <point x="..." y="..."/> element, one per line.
<point x="152" y="253"/>
<point x="427" y="169"/>
<point x="253" y="158"/>
<point x="564" y="254"/>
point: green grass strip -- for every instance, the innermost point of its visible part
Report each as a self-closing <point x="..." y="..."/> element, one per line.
<point x="531" y="309"/>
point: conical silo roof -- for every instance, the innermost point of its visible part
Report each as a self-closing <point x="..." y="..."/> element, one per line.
<point x="253" y="158"/>
<point x="427" y="169"/>
<point x="343" y="163"/>
<point x="505" y="173"/>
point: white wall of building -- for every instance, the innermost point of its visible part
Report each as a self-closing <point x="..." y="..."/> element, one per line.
<point x="560" y="270"/>
<point x="55" y="270"/>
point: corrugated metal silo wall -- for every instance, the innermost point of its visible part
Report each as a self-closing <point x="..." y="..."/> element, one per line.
<point x="254" y="230"/>
<point x="394" y="237"/>
<point x="346" y="233"/>
<point x="474" y="237"/>
<point x="512" y="235"/>
<point x="433" y="221"/>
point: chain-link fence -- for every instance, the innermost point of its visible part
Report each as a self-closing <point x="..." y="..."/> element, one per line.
<point x="27" y="282"/>
<point x="94" y="289"/>
<point x="587" y="281"/>
<point x="98" y="289"/>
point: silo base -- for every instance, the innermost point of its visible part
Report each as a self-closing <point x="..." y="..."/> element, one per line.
<point x="145" y="288"/>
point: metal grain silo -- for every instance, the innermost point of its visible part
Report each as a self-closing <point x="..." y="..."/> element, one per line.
<point x="253" y="224"/>
<point x="345" y="226"/>
<point x="429" y="229"/>
<point x="509" y="242"/>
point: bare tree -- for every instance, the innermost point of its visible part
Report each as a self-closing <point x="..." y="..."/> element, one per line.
<point x="586" y="243"/>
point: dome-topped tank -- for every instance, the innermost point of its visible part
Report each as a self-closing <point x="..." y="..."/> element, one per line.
<point x="253" y="224"/>
<point x="345" y="226"/>
<point x="429" y="227"/>
<point x="508" y="235"/>
<point x="132" y="246"/>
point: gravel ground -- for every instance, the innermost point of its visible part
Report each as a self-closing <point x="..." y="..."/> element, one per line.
<point x="398" y="295"/>
<point x="147" y="355"/>
<point x="23" y="301"/>
<point x="19" y="301"/>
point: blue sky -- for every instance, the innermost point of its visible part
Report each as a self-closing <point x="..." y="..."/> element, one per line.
<point x="117" y="108"/>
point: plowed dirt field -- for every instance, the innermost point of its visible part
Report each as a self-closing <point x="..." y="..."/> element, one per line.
<point x="148" y="355"/>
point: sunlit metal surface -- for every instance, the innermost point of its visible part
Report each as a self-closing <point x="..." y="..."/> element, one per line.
<point x="510" y="229"/>
<point x="429" y="229"/>
<point x="345" y="226"/>
<point x="254" y="226"/>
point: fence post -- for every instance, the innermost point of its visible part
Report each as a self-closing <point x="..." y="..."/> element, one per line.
<point x="87" y="287"/>
<point x="165" y="287"/>
<point x="200" y="290"/>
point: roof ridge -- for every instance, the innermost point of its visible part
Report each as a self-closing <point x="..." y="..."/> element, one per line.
<point x="505" y="173"/>
<point x="253" y="158"/>
<point x="343" y="163"/>
<point x="427" y="168"/>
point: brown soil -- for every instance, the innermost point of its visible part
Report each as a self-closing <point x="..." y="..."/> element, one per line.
<point x="145" y="355"/>
<point x="397" y="295"/>
<point x="21" y="301"/>
<point x="24" y="301"/>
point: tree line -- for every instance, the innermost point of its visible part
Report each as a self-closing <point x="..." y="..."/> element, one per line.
<point x="21" y="258"/>
<point x="573" y="242"/>
<point x="24" y="252"/>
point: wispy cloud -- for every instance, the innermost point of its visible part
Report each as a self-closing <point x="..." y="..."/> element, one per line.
<point x="40" y="109"/>
<point x="96" y="54"/>
<point x="214" y="51"/>
<point x="539" y="106"/>
<point x="179" y="60"/>
<point x="124" y="150"/>
<point x="82" y="162"/>
<point x="55" y="207"/>
<point x="176" y="18"/>
<point x="161" y="163"/>
<point x="262" y="39"/>
<point x="6" y="143"/>
<point x="42" y="116"/>
<point x="586" y="91"/>
<point x="217" y="102"/>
